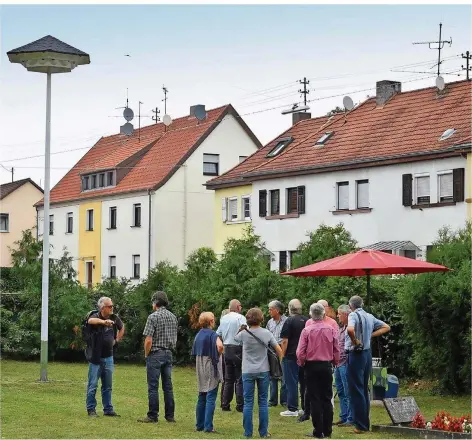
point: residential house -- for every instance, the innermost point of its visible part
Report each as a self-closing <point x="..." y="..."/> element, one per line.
<point x="392" y="170"/>
<point x="17" y="214"/>
<point x="131" y="202"/>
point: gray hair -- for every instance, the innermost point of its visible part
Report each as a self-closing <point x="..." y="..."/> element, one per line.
<point x="295" y="307"/>
<point x="356" y="302"/>
<point x="317" y="312"/>
<point x="276" y="304"/>
<point x="101" y="302"/>
<point x="233" y="305"/>
<point x="160" y="299"/>
<point x="344" y="309"/>
<point x="224" y="312"/>
<point x="323" y="302"/>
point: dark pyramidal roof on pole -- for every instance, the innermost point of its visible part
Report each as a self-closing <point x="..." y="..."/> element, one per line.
<point x="47" y="44"/>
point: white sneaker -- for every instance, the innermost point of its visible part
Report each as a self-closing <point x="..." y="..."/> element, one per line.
<point x="289" y="413"/>
<point x="301" y="412"/>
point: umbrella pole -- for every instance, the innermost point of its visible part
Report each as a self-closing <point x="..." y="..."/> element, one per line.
<point x="371" y="368"/>
<point x="368" y="290"/>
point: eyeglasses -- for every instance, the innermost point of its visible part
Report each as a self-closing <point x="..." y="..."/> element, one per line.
<point x="109" y="307"/>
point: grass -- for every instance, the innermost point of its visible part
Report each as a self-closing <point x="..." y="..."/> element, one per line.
<point x="30" y="409"/>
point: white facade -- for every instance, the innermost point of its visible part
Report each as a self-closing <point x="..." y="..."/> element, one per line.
<point x="388" y="219"/>
<point x="61" y="239"/>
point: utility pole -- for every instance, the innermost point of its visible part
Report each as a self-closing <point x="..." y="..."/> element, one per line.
<point x="13" y="170"/>
<point x="467" y="69"/>
<point x="440" y="44"/>
<point x="156" y="118"/>
<point x="10" y="171"/>
<point x="304" y="92"/>
<point x="164" y="89"/>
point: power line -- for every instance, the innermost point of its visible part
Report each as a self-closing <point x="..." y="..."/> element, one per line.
<point x="467" y="69"/>
<point x="304" y="92"/>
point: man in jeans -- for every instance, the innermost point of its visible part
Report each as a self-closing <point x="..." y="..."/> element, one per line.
<point x="340" y="373"/>
<point x="275" y="325"/>
<point x="359" y="362"/>
<point x="290" y="335"/>
<point x="101" y="362"/>
<point x="161" y="337"/>
<point x="233" y="352"/>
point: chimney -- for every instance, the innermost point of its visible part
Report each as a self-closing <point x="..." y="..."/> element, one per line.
<point x="300" y="116"/>
<point x="198" y="111"/>
<point x="385" y="90"/>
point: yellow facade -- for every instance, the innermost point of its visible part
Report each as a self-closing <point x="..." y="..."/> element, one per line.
<point x="90" y="242"/>
<point x="230" y="229"/>
<point x="468" y="186"/>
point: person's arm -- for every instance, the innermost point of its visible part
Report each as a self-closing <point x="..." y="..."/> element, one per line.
<point x="98" y="321"/>
<point x="279" y="352"/>
<point x="352" y="319"/>
<point x="336" y="351"/>
<point x="301" y="349"/>
<point x="384" y="328"/>
<point x="219" y="345"/>
<point x="120" y="334"/>
<point x="284" y="345"/>
<point x="147" y="346"/>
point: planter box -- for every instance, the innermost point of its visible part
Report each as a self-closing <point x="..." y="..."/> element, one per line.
<point x="410" y="432"/>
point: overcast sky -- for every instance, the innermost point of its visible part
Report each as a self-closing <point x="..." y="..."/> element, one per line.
<point x="249" y="56"/>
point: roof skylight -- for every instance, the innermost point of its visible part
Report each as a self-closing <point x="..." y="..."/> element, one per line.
<point x="324" y="138"/>
<point x="279" y="147"/>
<point x="447" y="134"/>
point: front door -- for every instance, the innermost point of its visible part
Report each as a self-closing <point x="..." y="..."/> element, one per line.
<point x="88" y="273"/>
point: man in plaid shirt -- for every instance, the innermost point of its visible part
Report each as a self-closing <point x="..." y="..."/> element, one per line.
<point x="161" y="337"/>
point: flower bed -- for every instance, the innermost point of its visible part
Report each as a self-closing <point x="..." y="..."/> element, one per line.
<point x="443" y="421"/>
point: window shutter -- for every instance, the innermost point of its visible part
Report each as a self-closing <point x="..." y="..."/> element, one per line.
<point x="458" y="184"/>
<point x="445" y="186"/>
<point x="262" y="203"/>
<point x="301" y="199"/>
<point x="233" y="209"/>
<point x="407" y="186"/>
<point x="422" y="186"/>
<point x="363" y="194"/>
<point x="224" y="204"/>
<point x="343" y="195"/>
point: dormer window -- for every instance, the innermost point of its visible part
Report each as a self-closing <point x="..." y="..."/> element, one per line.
<point x="322" y="140"/>
<point x="279" y="147"/>
<point x="98" y="180"/>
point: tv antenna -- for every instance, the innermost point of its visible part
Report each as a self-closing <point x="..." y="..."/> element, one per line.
<point x="156" y="118"/>
<point x="164" y="89"/>
<point x="304" y="92"/>
<point x="139" y="120"/>
<point x="295" y="109"/>
<point x="440" y="45"/>
<point x="128" y="114"/>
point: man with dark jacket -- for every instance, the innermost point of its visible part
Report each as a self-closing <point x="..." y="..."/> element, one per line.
<point x="101" y="364"/>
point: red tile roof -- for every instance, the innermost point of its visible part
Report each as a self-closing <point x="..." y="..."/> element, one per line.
<point x="164" y="151"/>
<point x="407" y="126"/>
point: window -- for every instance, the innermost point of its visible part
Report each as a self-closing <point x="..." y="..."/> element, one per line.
<point x="233" y="209"/>
<point x="89" y="220"/>
<point x="275" y="202"/>
<point x="136" y="266"/>
<point x="262" y="203"/>
<point x="112" y="264"/>
<point x="112" y="217"/>
<point x="85" y="183"/>
<point x="343" y="196"/>
<point x="362" y="194"/>
<point x="137" y="215"/>
<point x="89" y="274"/>
<point x="279" y="147"/>
<point x="51" y="224"/>
<point x="296" y="200"/>
<point x="445" y="187"/>
<point x="324" y="138"/>
<point x="246" y="207"/>
<point x="410" y="254"/>
<point x="93" y="180"/>
<point x="210" y="164"/>
<point x="4" y="222"/>
<point x="422" y="190"/>
<point x="242" y="158"/>
<point x="101" y="180"/>
<point x="70" y="223"/>
<point x="282" y="261"/>
<point x="110" y="178"/>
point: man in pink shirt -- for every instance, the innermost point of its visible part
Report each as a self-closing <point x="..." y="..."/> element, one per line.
<point x="318" y="350"/>
<point x="330" y="321"/>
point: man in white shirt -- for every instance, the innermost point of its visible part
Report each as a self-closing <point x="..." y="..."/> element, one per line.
<point x="229" y="327"/>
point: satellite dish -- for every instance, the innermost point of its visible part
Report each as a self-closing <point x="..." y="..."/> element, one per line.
<point x="295" y="109"/>
<point x="126" y="129"/>
<point x="200" y="112"/>
<point x="348" y="103"/>
<point x="440" y="83"/>
<point x="167" y="120"/>
<point x="447" y="134"/>
<point x="128" y="114"/>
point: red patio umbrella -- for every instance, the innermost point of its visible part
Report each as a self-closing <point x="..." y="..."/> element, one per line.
<point x="366" y="262"/>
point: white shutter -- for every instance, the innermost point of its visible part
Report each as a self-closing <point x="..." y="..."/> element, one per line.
<point x="343" y="196"/>
<point x="445" y="185"/>
<point x="422" y="186"/>
<point x="250" y="206"/>
<point x="363" y="194"/>
<point x="233" y="209"/>
<point x="224" y="204"/>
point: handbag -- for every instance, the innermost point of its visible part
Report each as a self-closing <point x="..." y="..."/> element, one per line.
<point x="275" y="368"/>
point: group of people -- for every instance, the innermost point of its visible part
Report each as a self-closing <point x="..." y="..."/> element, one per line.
<point x="311" y="350"/>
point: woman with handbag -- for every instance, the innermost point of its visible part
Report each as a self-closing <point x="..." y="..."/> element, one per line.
<point x="258" y="345"/>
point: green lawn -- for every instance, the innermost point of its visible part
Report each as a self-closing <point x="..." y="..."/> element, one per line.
<point x="30" y="409"/>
